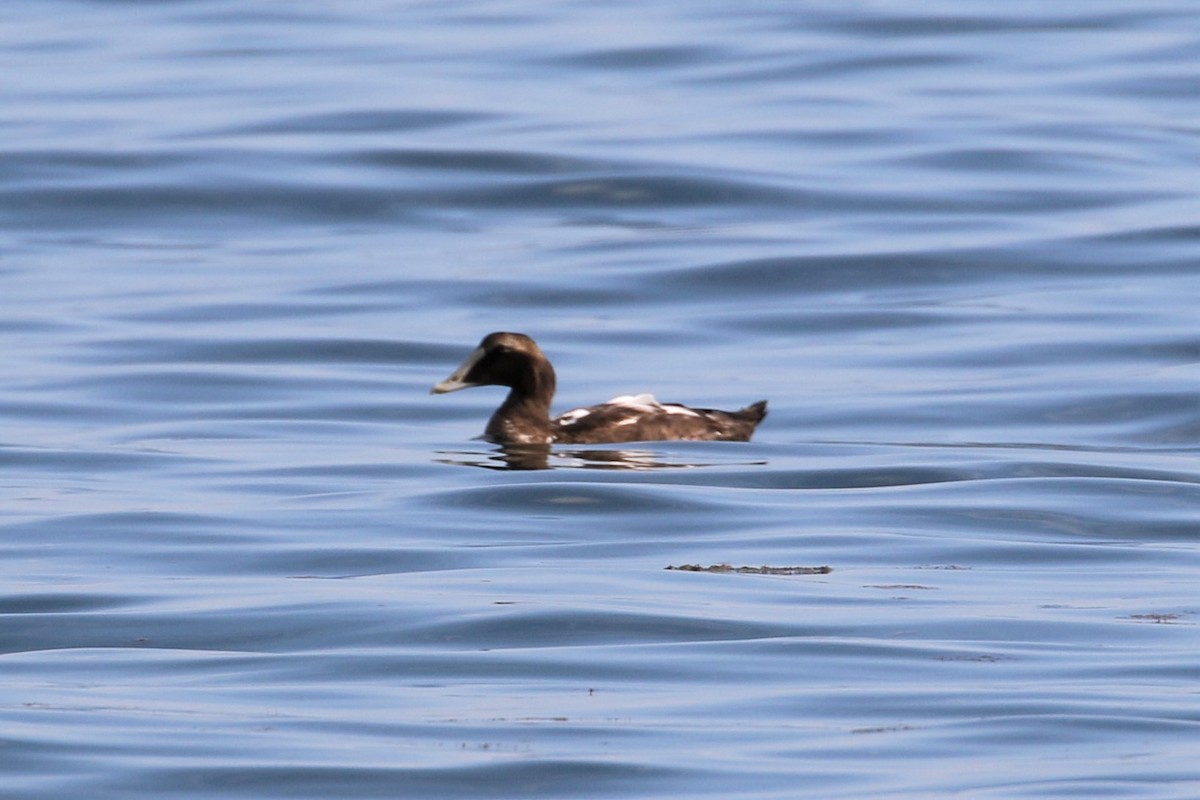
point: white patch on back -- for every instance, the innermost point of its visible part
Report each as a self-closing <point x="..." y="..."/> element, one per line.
<point x="633" y="401"/>
<point x="648" y="403"/>
<point x="637" y="406"/>
<point x="573" y="416"/>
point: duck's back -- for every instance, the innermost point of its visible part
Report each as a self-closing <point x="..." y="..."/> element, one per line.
<point x="641" y="418"/>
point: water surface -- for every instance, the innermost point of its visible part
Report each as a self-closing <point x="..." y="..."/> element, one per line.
<point x="245" y="554"/>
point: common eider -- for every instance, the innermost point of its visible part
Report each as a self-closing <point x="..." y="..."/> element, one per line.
<point x="514" y="360"/>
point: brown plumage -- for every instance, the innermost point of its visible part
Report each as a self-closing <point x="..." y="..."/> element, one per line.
<point x="514" y="360"/>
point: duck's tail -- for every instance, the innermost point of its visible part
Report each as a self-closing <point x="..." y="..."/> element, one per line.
<point x="754" y="413"/>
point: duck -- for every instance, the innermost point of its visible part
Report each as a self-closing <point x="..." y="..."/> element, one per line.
<point x="515" y="360"/>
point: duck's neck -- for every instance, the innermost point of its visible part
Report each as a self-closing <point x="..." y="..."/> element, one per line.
<point x="524" y="416"/>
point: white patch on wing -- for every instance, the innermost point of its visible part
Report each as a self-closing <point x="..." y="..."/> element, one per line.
<point x="634" y="401"/>
<point x="673" y="408"/>
<point x="648" y="403"/>
<point x="636" y="406"/>
<point x="573" y="416"/>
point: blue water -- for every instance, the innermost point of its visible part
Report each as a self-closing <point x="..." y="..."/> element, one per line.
<point x="245" y="554"/>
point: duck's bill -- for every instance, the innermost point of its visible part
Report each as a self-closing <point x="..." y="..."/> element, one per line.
<point x="457" y="380"/>
<point x="451" y="384"/>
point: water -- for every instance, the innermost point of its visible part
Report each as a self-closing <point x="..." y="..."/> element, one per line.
<point x="246" y="555"/>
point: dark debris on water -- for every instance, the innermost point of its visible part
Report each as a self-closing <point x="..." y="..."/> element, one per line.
<point x="753" y="570"/>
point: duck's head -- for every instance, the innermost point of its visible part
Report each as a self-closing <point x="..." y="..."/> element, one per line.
<point x="501" y="359"/>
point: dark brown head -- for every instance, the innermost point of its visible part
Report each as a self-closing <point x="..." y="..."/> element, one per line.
<point x="504" y="359"/>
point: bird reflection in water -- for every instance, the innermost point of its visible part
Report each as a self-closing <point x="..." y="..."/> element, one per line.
<point x="526" y="457"/>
